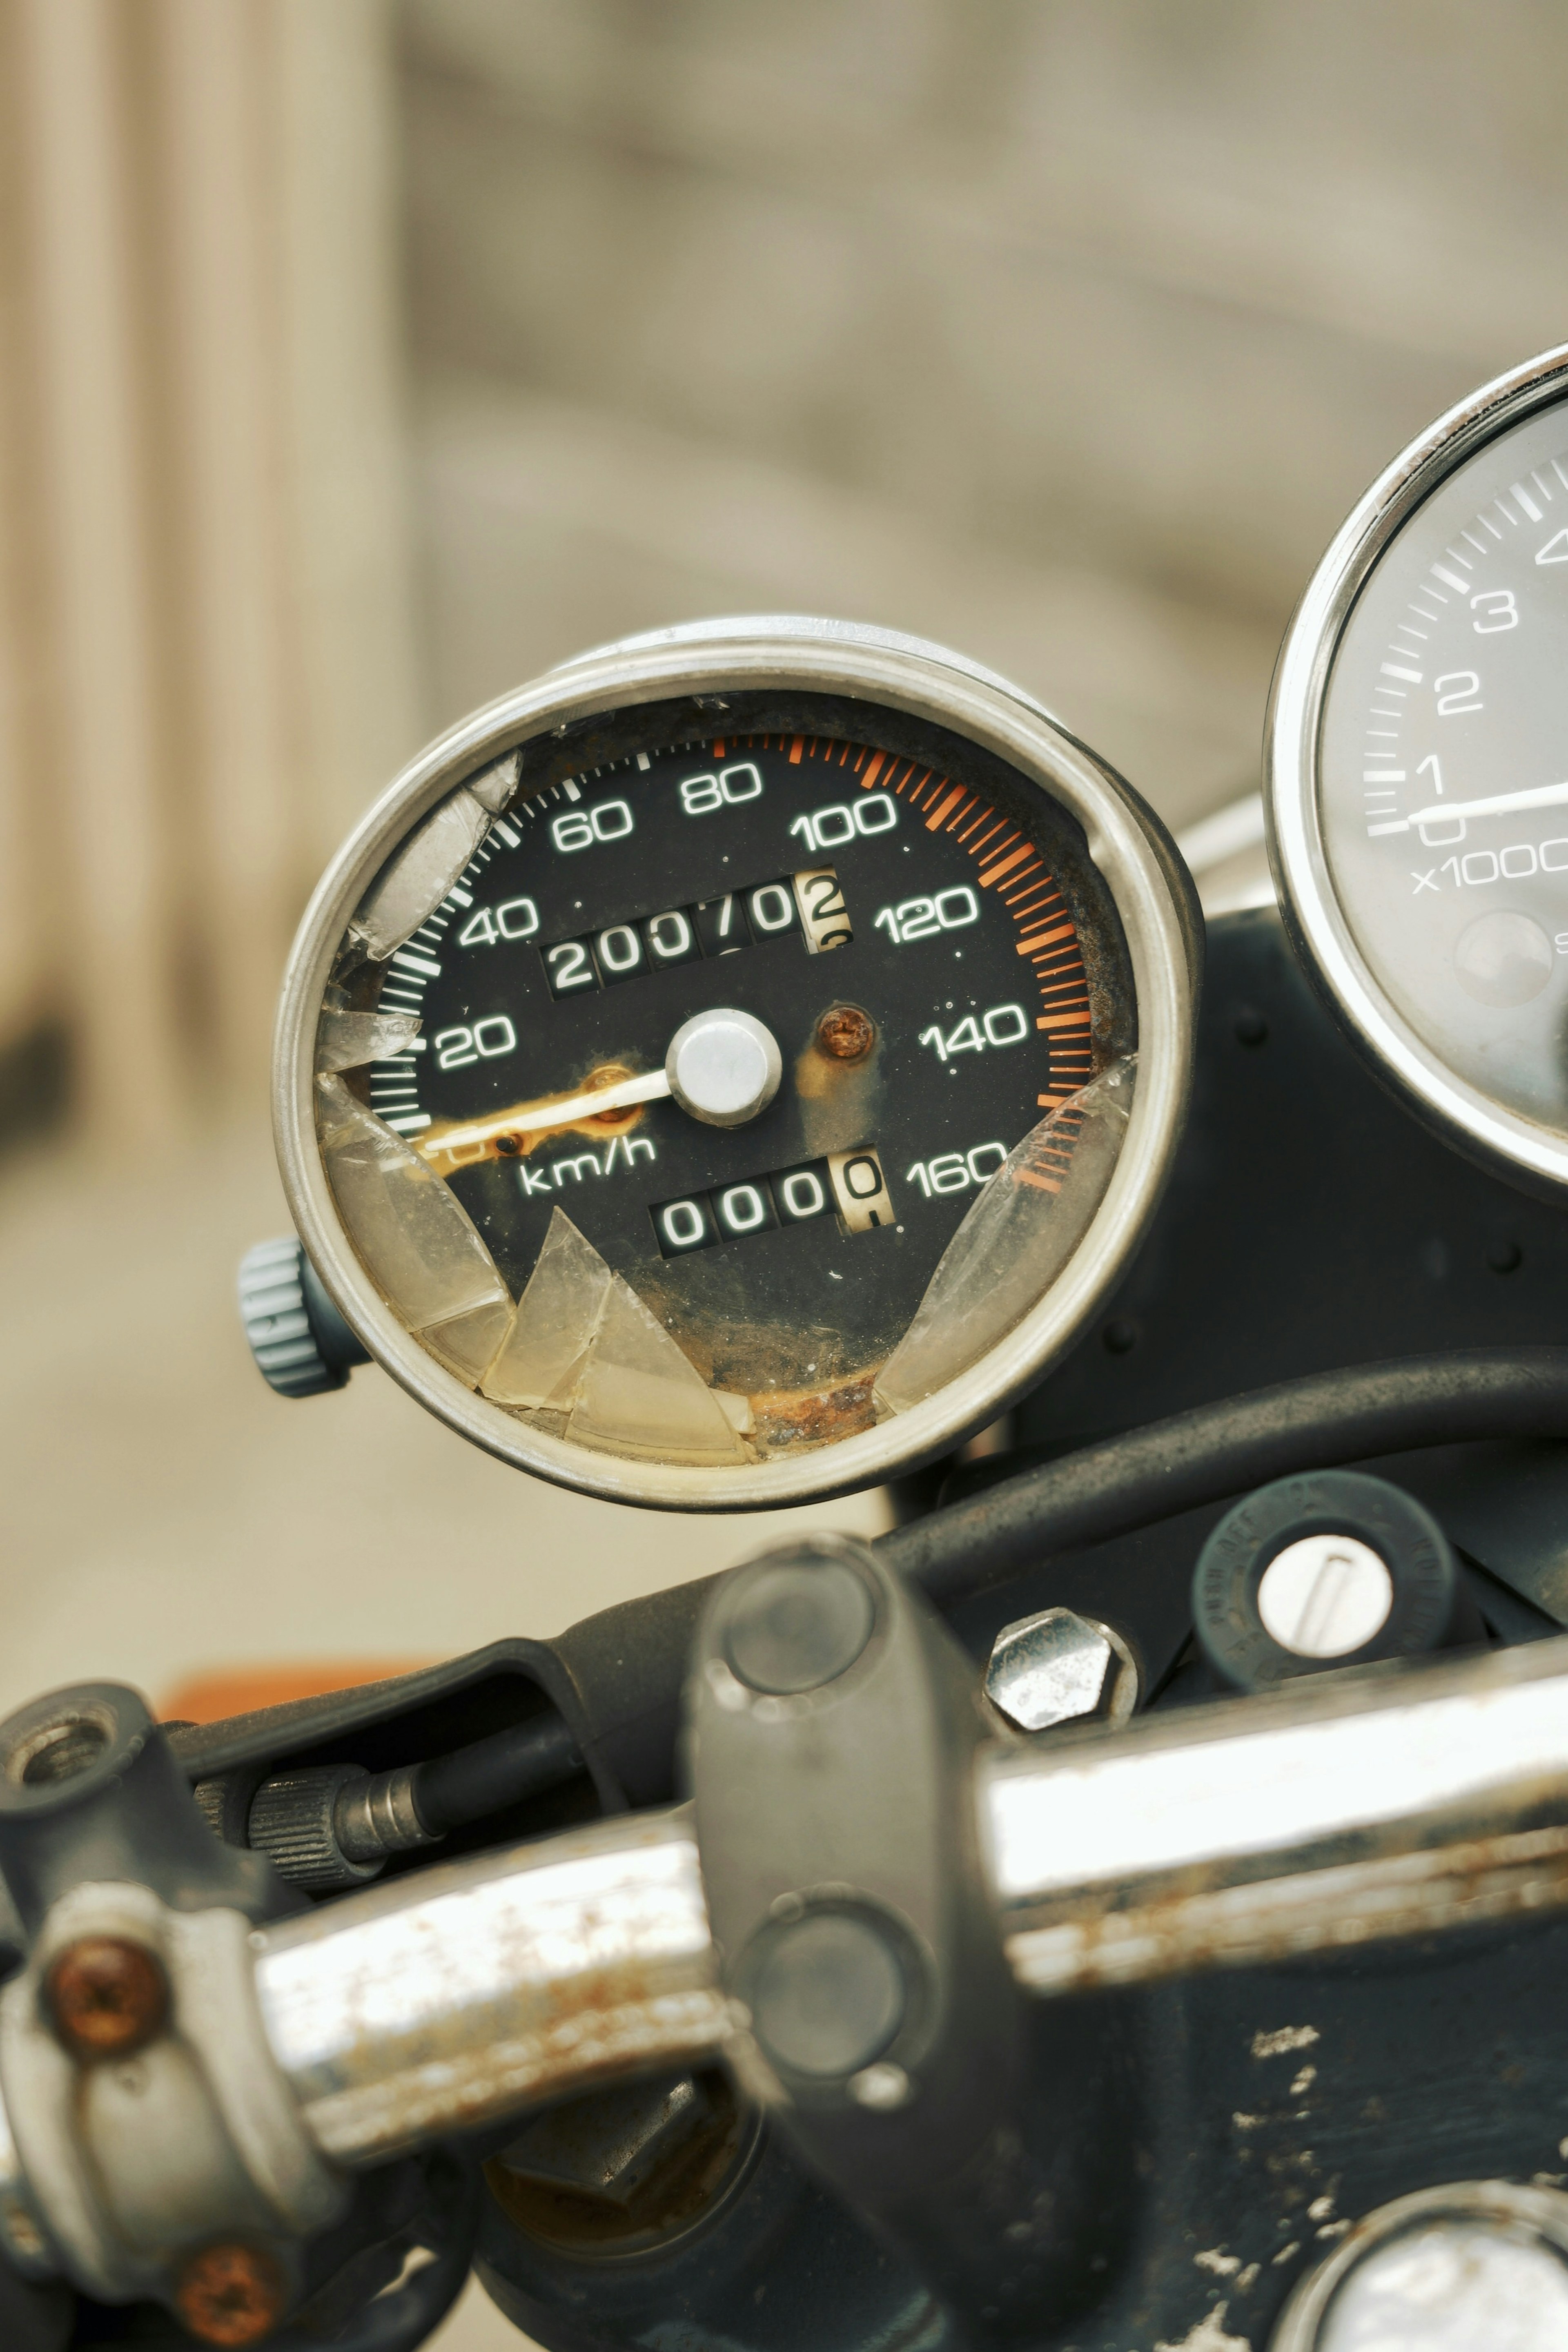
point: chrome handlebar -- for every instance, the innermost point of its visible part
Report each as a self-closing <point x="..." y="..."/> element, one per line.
<point x="275" y="2062"/>
<point x="1311" y="1820"/>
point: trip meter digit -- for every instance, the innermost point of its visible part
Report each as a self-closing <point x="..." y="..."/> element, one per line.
<point x="730" y="1069"/>
<point x="1419" y="773"/>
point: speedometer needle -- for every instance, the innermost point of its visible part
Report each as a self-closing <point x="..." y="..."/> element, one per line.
<point x="722" y="1066"/>
<point x="563" y="1112"/>
<point x="1496" y="804"/>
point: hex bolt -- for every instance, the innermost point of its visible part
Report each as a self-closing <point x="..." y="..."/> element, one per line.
<point x="613" y="2144"/>
<point x="106" y="1996"/>
<point x="846" y="1033"/>
<point x="1058" y="1667"/>
<point x="624" y="2168"/>
<point x="231" y="2294"/>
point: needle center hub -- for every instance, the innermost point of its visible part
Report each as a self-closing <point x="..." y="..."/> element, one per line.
<point x="723" y="1067"/>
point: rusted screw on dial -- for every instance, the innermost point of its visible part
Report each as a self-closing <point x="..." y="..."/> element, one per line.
<point x="231" y="2294"/>
<point x="846" y="1033"/>
<point x="106" y="1996"/>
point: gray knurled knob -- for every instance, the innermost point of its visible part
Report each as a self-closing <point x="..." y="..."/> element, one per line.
<point x="291" y="1821"/>
<point x="301" y="1344"/>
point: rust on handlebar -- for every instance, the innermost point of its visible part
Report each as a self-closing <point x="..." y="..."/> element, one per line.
<point x="1404" y="1801"/>
<point x="473" y="1990"/>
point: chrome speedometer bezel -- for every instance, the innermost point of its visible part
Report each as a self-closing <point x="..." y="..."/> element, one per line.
<point x="1293" y="750"/>
<point x="1154" y="900"/>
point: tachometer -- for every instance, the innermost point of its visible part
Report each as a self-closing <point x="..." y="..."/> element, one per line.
<point x="731" y="1069"/>
<point x="1419" y="772"/>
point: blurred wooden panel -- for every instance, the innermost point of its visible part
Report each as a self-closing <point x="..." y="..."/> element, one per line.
<point x="226" y="478"/>
<point x="31" y="903"/>
<point x="119" y="959"/>
<point x="341" y="263"/>
<point x="207" y="657"/>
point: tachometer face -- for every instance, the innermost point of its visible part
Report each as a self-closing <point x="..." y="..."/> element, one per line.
<point x="665" y="1126"/>
<point x="1420" y="771"/>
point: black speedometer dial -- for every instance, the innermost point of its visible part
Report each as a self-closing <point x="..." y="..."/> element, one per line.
<point x="719" y="1078"/>
<point x="912" y="938"/>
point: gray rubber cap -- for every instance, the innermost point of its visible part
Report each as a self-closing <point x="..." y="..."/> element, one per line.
<point x="301" y="1344"/>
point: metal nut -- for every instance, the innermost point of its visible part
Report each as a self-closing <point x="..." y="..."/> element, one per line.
<point x="622" y="2171"/>
<point x="611" y="2145"/>
<point x="1058" y="1667"/>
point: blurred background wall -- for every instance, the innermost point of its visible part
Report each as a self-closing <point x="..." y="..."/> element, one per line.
<point x="361" y="357"/>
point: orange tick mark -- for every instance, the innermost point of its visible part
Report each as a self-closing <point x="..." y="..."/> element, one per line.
<point x="1044" y="939"/>
<point x="1005" y="864"/>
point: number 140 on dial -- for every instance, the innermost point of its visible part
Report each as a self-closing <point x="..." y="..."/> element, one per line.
<point x="1003" y="1024"/>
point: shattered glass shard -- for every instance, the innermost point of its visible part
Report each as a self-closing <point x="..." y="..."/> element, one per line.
<point x="558" y="1316"/>
<point x="347" y="1041"/>
<point x="466" y="1343"/>
<point x="494" y="786"/>
<point x="416" y="1238"/>
<point x="584" y="1344"/>
<point x="639" y="1393"/>
<point x="418" y="876"/>
<point x="1021" y="1232"/>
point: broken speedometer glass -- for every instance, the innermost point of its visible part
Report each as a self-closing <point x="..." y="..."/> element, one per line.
<point x="711" y="1069"/>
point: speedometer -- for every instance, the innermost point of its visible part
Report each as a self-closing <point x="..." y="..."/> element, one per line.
<point x="731" y="1069"/>
<point x="1419" y="772"/>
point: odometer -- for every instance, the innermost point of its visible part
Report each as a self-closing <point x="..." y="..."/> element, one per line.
<point x="1419" y="773"/>
<point x="737" y="1064"/>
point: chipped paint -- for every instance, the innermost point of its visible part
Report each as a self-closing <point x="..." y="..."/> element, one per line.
<point x="1285" y="2038"/>
<point x="1333" y="2229"/>
<point x="1249" y="2278"/>
<point x="1320" y="2209"/>
<point x="1215" y="2259"/>
<point x="1208" y="2335"/>
<point x="1304" y="2081"/>
<point x="1287" y="2254"/>
<point x="1246" y="2123"/>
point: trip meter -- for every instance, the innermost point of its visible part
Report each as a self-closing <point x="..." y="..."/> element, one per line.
<point x="731" y="1069"/>
<point x="1418" y="771"/>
